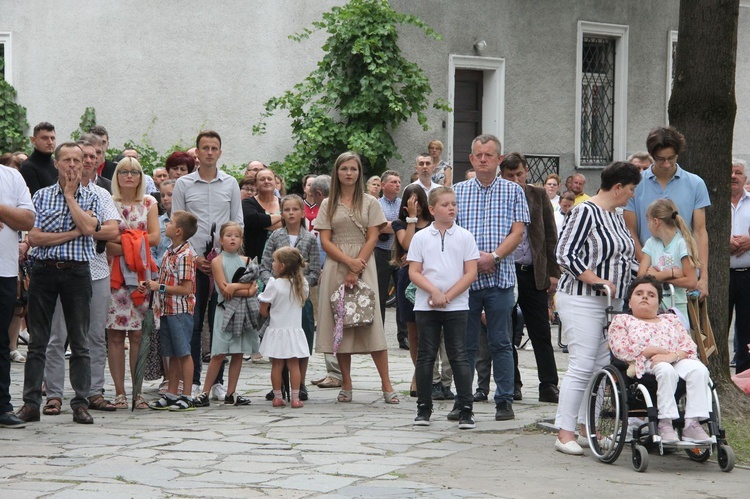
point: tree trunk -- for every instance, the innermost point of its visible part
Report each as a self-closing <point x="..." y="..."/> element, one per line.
<point x="703" y="108"/>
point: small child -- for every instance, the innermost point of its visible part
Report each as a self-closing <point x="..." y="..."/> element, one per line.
<point x="174" y="305"/>
<point x="284" y="340"/>
<point x="442" y="301"/>
<point x="670" y="255"/>
<point x="294" y="234"/>
<point x="224" y="343"/>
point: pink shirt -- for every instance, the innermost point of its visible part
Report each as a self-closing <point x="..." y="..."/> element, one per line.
<point x="629" y="336"/>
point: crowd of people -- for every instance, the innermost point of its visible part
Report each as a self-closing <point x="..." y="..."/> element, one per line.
<point x="105" y="245"/>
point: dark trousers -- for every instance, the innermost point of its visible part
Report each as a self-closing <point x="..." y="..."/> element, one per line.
<point x="386" y="271"/>
<point x="739" y="301"/>
<point x="205" y="297"/>
<point x="73" y="287"/>
<point x="431" y="326"/>
<point x="484" y="361"/>
<point x="533" y="304"/>
<point x="7" y="304"/>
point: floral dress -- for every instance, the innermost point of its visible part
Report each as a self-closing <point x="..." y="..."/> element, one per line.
<point x="122" y="314"/>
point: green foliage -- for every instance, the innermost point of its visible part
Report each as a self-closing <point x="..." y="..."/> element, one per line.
<point x="13" y="124"/>
<point x="88" y="120"/>
<point x="361" y="90"/>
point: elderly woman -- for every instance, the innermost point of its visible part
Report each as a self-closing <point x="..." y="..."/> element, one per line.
<point x="594" y="247"/>
<point x="660" y="345"/>
<point x="262" y="214"/>
<point x="179" y="164"/>
<point x="373" y="186"/>
<point x="443" y="173"/>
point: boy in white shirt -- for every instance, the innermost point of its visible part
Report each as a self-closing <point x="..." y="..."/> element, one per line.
<point x="442" y="301"/>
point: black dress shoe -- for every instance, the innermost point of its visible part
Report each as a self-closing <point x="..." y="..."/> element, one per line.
<point x="403" y="343"/>
<point x="517" y="395"/>
<point x="480" y="396"/>
<point x="437" y="392"/>
<point x="28" y="414"/>
<point x="10" y="420"/>
<point x="81" y="415"/>
<point x="302" y="393"/>
<point x="549" y="393"/>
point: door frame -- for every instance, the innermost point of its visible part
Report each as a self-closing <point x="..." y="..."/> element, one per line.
<point x="493" y="99"/>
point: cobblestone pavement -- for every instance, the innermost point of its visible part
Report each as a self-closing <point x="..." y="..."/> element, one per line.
<point x="364" y="448"/>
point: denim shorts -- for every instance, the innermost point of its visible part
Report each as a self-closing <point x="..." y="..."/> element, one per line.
<point x="175" y="334"/>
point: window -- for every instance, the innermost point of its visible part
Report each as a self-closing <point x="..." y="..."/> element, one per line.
<point x="601" y="94"/>
<point x="5" y="58"/>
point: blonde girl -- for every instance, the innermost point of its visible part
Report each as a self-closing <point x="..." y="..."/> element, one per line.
<point x="224" y="343"/>
<point x="294" y="234"/>
<point x="671" y="254"/>
<point x="284" y="341"/>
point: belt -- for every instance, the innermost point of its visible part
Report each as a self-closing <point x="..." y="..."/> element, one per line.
<point x="524" y="268"/>
<point x="63" y="264"/>
<point x="744" y="269"/>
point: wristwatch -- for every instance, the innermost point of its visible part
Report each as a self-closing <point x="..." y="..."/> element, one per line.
<point x="412" y="220"/>
<point x="98" y="226"/>
<point x="162" y="288"/>
<point x="496" y="257"/>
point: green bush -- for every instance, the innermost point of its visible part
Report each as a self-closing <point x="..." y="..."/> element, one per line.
<point x="13" y="124"/>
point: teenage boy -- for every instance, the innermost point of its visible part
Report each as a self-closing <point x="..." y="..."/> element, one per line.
<point x="442" y="301"/>
<point x="175" y="304"/>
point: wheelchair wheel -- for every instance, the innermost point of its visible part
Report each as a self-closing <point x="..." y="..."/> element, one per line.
<point x="726" y="458"/>
<point x="606" y="414"/>
<point x="698" y="454"/>
<point x="640" y="458"/>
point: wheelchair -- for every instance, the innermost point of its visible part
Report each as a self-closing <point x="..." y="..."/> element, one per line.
<point x="612" y="398"/>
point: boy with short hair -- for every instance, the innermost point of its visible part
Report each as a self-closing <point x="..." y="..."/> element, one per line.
<point x="442" y="301"/>
<point x="175" y="303"/>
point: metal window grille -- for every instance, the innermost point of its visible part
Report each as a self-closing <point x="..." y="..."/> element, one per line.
<point x="2" y="61"/>
<point x="540" y="166"/>
<point x="597" y="101"/>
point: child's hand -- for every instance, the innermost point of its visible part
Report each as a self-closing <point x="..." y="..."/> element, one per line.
<point x="678" y="273"/>
<point x="148" y="286"/>
<point x="228" y="292"/>
<point x="438" y="300"/>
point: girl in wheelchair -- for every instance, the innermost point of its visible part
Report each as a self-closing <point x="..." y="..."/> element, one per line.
<point x="660" y="345"/>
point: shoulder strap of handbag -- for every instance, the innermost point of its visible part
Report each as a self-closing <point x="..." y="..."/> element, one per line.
<point x="356" y="222"/>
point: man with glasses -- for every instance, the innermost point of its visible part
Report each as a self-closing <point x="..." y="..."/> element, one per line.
<point x="666" y="179"/>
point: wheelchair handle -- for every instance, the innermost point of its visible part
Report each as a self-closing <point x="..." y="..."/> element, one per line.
<point x="600" y="286"/>
<point x="670" y="287"/>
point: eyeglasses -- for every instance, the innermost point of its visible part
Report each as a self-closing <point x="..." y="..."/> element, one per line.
<point x="125" y="173"/>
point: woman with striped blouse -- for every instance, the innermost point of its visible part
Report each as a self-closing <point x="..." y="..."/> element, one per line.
<point x="594" y="247"/>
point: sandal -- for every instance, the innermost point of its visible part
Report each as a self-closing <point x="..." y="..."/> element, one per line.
<point x="99" y="403"/>
<point x="140" y="403"/>
<point x="52" y="407"/>
<point x="345" y="396"/>
<point x="121" y="402"/>
<point x="391" y="398"/>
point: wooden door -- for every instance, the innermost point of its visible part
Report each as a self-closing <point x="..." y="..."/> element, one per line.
<point x="467" y="118"/>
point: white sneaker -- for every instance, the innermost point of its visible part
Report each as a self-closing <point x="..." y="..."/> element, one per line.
<point x="218" y="392"/>
<point x="23" y="334"/>
<point x="68" y="353"/>
<point x="196" y="390"/>
<point x="16" y="356"/>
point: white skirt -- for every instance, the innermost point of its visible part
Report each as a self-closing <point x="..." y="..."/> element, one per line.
<point x="284" y="343"/>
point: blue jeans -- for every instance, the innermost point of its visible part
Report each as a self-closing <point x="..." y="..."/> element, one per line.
<point x="452" y="326"/>
<point x="497" y="304"/>
<point x="7" y="304"/>
<point x="73" y="287"/>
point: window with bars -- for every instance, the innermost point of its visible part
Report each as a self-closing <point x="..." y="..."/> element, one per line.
<point x="597" y="101"/>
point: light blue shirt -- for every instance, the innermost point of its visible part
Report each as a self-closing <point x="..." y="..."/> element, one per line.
<point x="687" y="190"/>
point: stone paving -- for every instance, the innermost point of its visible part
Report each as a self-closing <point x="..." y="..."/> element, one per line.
<point x="364" y="448"/>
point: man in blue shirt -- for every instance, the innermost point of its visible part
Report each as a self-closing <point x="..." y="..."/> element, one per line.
<point x="495" y="211"/>
<point x="666" y="180"/>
